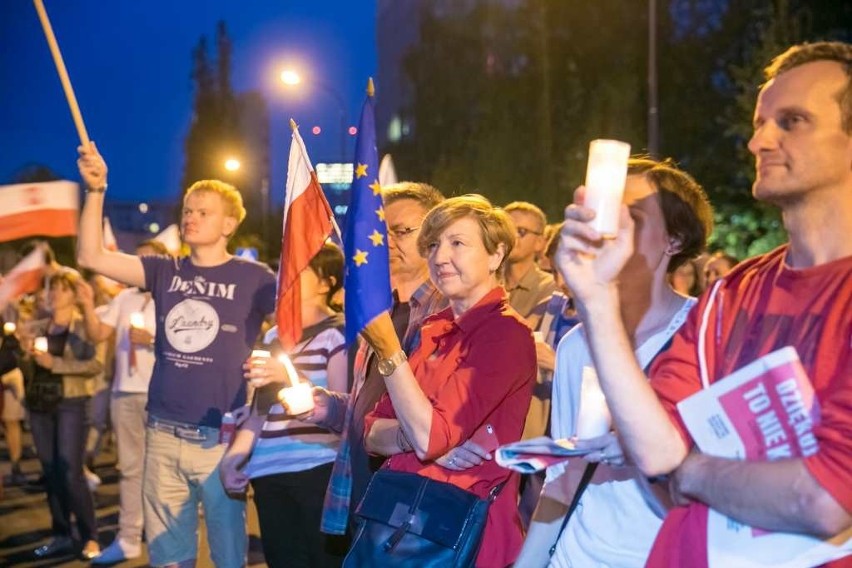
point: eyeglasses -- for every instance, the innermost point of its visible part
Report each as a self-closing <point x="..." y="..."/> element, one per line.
<point x="523" y="232"/>
<point x="403" y="232"/>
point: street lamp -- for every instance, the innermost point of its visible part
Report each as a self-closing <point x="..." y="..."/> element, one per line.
<point x="232" y="164"/>
<point x="291" y="78"/>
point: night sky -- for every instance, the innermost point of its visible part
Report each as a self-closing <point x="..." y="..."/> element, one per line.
<point x="130" y="65"/>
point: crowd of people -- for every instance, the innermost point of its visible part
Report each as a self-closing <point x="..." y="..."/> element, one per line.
<point x="498" y="324"/>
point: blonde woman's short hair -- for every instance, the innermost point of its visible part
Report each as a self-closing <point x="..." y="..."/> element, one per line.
<point x="495" y="225"/>
<point x="230" y="195"/>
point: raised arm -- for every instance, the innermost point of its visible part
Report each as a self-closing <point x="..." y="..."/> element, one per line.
<point x="91" y="253"/>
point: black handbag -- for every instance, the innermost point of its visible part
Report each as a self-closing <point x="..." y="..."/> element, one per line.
<point x="43" y="393"/>
<point x="407" y="520"/>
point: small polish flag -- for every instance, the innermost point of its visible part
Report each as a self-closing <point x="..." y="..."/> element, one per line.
<point x="24" y="278"/>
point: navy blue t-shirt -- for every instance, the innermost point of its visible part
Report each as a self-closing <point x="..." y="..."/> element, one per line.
<point x="208" y="319"/>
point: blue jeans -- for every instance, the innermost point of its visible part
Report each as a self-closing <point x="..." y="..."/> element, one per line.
<point x="178" y="475"/>
<point x="60" y="440"/>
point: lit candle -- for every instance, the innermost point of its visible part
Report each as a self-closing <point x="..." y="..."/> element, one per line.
<point x="606" y="173"/>
<point x="292" y="374"/>
<point x="137" y="320"/>
<point x="594" y="418"/>
<point x="9" y="328"/>
<point x="40" y="344"/>
<point x="298" y="398"/>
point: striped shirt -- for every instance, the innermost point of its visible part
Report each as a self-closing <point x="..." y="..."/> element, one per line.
<point x="286" y="445"/>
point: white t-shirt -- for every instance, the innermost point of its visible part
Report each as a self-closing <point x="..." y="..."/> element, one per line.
<point x="613" y="525"/>
<point x="116" y="314"/>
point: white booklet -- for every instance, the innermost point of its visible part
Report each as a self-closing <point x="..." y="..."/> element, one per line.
<point x="764" y="411"/>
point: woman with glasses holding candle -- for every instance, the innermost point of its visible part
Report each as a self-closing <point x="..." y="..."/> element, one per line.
<point x="60" y="358"/>
<point x="289" y="461"/>
<point x="475" y="366"/>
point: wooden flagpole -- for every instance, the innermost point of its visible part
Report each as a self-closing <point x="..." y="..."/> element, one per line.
<point x="63" y="73"/>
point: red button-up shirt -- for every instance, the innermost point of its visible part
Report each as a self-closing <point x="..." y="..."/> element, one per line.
<point x="475" y="370"/>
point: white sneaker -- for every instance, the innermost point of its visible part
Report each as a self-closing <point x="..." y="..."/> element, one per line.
<point x="92" y="479"/>
<point x="119" y="551"/>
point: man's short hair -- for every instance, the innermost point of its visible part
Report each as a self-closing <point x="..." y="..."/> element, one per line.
<point x="686" y="210"/>
<point x="803" y="53"/>
<point x="423" y="193"/>
<point x="529" y="209"/>
<point x="230" y="195"/>
<point x="159" y="248"/>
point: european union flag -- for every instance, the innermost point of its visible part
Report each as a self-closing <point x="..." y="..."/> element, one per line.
<point x="367" y="278"/>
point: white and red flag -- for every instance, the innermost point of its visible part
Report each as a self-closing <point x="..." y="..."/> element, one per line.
<point x="24" y="278"/>
<point x="45" y="209"/>
<point x="170" y="236"/>
<point x="308" y="222"/>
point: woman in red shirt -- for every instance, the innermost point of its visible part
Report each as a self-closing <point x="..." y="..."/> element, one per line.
<point x="475" y="366"/>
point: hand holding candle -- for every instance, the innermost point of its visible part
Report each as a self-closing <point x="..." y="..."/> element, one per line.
<point x="256" y="365"/>
<point x="298" y="398"/>
<point x="40" y="344"/>
<point x="606" y="174"/>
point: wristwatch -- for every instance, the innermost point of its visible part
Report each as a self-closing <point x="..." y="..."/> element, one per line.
<point x="386" y="367"/>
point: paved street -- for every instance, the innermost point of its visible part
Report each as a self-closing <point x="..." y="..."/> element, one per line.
<point x="25" y="520"/>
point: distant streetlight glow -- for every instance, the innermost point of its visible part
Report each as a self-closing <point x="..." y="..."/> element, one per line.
<point x="232" y="164"/>
<point x="154" y="227"/>
<point x="316" y="130"/>
<point x="353" y="131"/>
<point x="143" y="208"/>
<point x="290" y="77"/>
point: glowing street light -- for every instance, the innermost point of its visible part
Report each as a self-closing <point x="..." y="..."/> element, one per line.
<point x="290" y="77"/>
<point x="232" y="164"/>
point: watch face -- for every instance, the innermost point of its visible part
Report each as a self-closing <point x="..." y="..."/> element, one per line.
<point x="385" y="367"/>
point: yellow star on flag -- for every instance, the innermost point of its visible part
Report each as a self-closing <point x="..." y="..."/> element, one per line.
<point x="377" y="189"/>
<point x="360" y="257"/>
<point x="381" y="213"/>
<point x="361" y="171"/>
<point x="377" y="238"/>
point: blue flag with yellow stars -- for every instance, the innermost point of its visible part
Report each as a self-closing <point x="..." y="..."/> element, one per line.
<point x="366" y="281"/>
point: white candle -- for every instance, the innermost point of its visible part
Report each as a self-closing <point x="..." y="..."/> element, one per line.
<point x="298" y="398"/>
<point x="292" y="374"/>
<point x="606" y="173"/>
<point x="40" y="344"/>
<point x="9" y="327"/>
<point x="137" y="320"/>
<point x="594" y="418"/>
<point x="259" y="354"/>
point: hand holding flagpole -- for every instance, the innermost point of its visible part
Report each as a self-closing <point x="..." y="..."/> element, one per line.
<point x="63" y="73"/>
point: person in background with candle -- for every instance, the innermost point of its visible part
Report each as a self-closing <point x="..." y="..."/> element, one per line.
<point x="475" y="365"/>
<point x="12" y="392"/>
<point x="613" y="525"/>
<point x="59" y="422"/>
<point x="288" y="461"/>
<point x="209" y="307"/>
<point x="134" y="364"/>
<point x="797" y="295"/>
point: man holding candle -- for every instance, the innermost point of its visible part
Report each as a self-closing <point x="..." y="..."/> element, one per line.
<point x="613" y="525"/>
<point x="131" y="319"/>
<point x="209" y="308"/>
<point x="798" y="295"/>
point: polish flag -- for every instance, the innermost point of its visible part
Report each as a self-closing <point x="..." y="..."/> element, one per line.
<point x="308" y="222"/>
<point x="24" y="278"/>
<point x="46" y="209"/>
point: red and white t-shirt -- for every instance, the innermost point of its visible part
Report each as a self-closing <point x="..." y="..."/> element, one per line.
<point x="764" y="305"/>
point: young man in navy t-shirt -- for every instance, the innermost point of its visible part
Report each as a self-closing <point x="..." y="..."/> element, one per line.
<point x="209" y="308"/>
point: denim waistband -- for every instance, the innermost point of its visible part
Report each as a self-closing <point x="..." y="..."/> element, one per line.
<point x="182" y="430"/>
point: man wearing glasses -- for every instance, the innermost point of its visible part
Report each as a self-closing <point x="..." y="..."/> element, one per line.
<point x="527" y="284"/>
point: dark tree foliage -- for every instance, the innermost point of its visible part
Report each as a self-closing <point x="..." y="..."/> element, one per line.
<point x="508" y="95"/>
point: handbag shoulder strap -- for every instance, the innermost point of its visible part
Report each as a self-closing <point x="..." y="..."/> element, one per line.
<point x="581" y="488"/>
